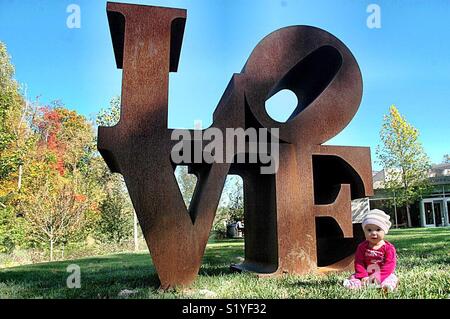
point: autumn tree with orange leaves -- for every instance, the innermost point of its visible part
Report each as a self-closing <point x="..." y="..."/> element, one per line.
<point x="55" y="189"/>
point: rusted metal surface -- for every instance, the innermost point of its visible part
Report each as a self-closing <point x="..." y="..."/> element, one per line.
<point x="297" y="220"/>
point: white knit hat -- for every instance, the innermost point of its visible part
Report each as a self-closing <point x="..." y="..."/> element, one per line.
<point x="379" y="218"/>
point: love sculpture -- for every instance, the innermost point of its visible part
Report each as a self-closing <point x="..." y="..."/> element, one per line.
<point x="297" y="220"/>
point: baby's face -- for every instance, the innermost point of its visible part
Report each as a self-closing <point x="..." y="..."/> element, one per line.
<point x="374" y="234"/>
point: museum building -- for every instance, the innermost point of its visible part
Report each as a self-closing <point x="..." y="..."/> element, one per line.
<point x="432" y="210"/>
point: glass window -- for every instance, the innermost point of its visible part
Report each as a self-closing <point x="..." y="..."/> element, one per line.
<point x="428" y="213"/>
<point x="437" y="214"/>
<point x="448" y="211"/>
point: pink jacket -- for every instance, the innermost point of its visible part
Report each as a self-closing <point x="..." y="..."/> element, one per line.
<point x="381" y="261"/>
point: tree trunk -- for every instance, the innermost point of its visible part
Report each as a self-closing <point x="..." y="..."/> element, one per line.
<point x="408" y="215"/>
<point x="396" y="219"/>
<point x="51" y="249"/>
<point x="136" y="243"/>
<point x="19" y="181"/>
<point x="395" y="212"/>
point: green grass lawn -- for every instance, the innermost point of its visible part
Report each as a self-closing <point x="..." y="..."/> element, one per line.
<point x="423" y="269"/>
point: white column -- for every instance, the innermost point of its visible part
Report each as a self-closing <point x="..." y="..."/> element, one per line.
<point x="444" y="210"/>
<point x="445" y="214"/>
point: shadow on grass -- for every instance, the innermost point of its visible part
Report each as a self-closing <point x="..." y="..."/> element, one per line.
<point x="105" y="276"/>
<point x="220" y="255"/>
<point x="418" y="250"/>
<point x="98" y="275"/>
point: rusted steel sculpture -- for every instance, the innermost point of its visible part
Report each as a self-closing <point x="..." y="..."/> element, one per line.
<point x="297" y="220"/>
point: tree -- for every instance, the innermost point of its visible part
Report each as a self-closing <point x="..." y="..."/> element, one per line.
<point x="61" y="191"/>
<point x="404" y="160"/>
<point x="446" y="159"/>
<point x="231" y="206"/>
<point x="187" y="183"/>
<point x="15" y="142"/>
<point x="117" y="213"/>
<point x="54" y="186"/>
<point x="66" y="135"/>
<point x="55" y="212"/>
<point x="12" y="229"/>
<point x="116" y="222"/>
<point x="12" y="107"/>
<point x="221" y="221"/>
<point x="236" y="199"/>
<point x="111" y="115"/>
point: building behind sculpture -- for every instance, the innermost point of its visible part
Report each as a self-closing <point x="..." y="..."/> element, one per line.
<point x="431" y="211"/>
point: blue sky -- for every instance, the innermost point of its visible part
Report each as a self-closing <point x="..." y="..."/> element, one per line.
<point x="405" y="62"/>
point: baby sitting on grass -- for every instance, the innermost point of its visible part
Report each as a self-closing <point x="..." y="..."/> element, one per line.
<point x="375" y="258"/>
